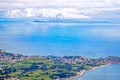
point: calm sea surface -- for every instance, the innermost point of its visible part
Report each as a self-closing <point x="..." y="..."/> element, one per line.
<point x="34" y="38"/>
<point x="111" y="72"/>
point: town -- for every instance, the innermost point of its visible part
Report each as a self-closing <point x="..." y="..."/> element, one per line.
<point x="22" y="67"/>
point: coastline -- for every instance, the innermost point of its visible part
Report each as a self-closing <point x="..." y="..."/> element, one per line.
<point x="79" y="74"/>
<point x="99" y="66"/>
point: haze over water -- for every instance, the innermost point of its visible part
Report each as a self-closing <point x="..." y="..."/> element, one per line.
<point x="59" y="39"/>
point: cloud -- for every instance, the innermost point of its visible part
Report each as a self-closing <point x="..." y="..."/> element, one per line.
<point x="80" y="9"/>
<point x="62" y="13"/>
<point x="57" y="3"/>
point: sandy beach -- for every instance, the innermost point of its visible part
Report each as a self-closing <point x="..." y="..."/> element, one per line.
<point x="78" y="75"/>
<point x="99" y="66"/>
<point x="83" y="71"/>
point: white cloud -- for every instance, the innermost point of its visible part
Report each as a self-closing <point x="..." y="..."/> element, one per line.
<point x="77" y="13"/>
<point x="46" y="13"/>
<point x="57" y="8"/>
<point x="57" y="3"/>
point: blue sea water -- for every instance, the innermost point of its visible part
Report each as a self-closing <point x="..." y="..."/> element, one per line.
<point x="39" y="38"/>
<point x="82" y="39"/>
<point x="111" y="72"/>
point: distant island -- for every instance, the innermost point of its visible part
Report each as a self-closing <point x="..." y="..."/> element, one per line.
<point x="21" y="67"/>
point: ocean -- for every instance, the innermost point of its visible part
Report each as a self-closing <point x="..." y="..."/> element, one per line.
<point x="91" y="39"/>
<point x="110" y="72"/>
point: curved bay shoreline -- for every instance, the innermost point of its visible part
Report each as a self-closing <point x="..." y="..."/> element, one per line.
<point x="79" y="74"/>
<point x="49" y="67"/>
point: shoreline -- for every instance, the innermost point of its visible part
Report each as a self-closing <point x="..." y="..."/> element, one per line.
<point x="99" y="66"/>
<point x="79" y="74"/>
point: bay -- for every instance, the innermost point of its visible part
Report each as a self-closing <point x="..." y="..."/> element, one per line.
<point x="111" y="72"/>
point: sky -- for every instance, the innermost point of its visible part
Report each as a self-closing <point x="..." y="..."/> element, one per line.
<point x="58" y="3"/>
<point x="80" y="9"/>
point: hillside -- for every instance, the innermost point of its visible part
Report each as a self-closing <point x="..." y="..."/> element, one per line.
<point x="20" y="67"/>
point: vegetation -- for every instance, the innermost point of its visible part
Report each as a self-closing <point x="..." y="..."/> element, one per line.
<point x="47" y="67"/>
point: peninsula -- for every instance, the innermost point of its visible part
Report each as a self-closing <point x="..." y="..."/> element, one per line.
<point x="21" y="67"/>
